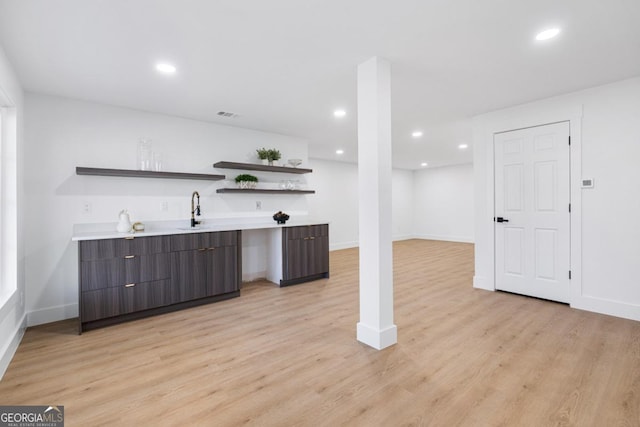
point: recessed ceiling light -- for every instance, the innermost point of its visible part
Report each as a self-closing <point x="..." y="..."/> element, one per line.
<point x="339" y="113"/>
<point x="339" y="151"/>
<point x="423" y="164"/>
<point x="417" y="134"/>
<point x="165" y="68"/>
<point x="463" y="146"/>
<point x="548" y="34"/>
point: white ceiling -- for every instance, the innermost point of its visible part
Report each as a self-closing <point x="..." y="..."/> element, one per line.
<point x="284" y="65"/>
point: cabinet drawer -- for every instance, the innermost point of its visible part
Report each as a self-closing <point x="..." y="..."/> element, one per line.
<point x="111" y="302"/>
<point x="113" y="248"/>
<point x="185" y="242"/>
<point x="302" y="232"/>
<point x="120" y="271"/>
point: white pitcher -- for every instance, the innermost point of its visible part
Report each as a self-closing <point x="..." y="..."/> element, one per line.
<point x="124" y="226"/>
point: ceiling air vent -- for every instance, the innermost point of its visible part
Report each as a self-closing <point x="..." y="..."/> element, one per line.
<point x="227" y="114"/>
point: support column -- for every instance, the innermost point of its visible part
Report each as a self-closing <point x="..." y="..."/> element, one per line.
<point x="376" y="327"/>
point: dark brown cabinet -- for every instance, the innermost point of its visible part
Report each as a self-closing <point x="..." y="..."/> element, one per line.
<point x="201" y="265"/>
<point x="116" y="301"/>
<point x="128" y="278"/>
<point x="305" y="253"/>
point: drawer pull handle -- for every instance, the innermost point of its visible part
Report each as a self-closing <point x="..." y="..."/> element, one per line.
<point x="202" y="249"/>
<point x="129" y="238"/>
<point x="311" y="238"/>
<point x="129" y="285"/>
<point x="212" y="249"/>
<point x="129" y="256"/>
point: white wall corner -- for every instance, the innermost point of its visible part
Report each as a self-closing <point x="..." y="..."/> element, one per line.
<point x="12" y="345"/>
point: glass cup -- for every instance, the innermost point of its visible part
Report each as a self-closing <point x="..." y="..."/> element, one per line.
<point x="144" y="154"/>
<point x="157" y="161"/>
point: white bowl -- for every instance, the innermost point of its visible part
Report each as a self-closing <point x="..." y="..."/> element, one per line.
<point x="294" y="162"/>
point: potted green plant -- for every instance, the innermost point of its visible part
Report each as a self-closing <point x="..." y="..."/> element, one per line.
<point x="273" y="156"/>
<point x="246" y="181"/>
<point x="263" y="154"/>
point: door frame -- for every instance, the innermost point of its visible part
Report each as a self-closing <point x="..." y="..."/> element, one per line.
<point x="485" y="128"/>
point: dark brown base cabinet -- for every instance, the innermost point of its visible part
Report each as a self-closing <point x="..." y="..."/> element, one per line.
<point x="130" y="278"/>
<point x="305" y="252"/>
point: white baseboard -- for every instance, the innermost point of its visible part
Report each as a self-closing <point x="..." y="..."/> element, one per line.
<point x="609" y="307"/>
<point x="377" y="338"/>
<point x="344" y="245"/>
<point x="52" y="314"/>
<point x="355" y="244"/>
<point x="252" y="277"/>
<point x="457" y="239"/>
<point x="481" y="282"/>
<point x="10" y="349"/>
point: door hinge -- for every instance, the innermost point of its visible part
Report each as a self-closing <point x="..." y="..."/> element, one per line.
<point x="569" y="139"/>
<point x="569" y="274"/>
<point x="569" y="207"/>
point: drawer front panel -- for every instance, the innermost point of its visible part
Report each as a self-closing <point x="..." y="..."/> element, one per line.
<point x="116" y="272"/>
<point x="291" y="233"/>
<point x="114" y="248"/>
<point x="111" y="302"/>
<point x="185" y="242"/>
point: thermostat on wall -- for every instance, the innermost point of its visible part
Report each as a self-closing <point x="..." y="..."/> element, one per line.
<point x="587" y="183"/>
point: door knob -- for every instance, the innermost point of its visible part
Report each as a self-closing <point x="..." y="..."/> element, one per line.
<point x="500" y="219"/>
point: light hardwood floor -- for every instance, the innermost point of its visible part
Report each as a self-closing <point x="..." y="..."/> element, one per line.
<point x="288" y="356"/>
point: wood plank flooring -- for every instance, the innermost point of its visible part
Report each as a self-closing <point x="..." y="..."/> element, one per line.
<point x="288" y="356"/>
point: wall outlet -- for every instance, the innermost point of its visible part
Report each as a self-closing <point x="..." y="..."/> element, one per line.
<point x="164" y="206"/>
<point x="258" y="205"/>
<point x="86" y="207"/>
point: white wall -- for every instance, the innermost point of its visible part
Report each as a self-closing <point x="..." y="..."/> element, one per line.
<point x="336" y="200"/>
<point x="12" y="310"/>
<point x="605" y="247"/>
<point x="443" y="203"/>
<point x="62" y="134"/>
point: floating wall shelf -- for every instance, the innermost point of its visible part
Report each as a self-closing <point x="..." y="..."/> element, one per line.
<point x="264" y="191"/>
<point x="146" y="174"/>
<point x="262" y="168"/>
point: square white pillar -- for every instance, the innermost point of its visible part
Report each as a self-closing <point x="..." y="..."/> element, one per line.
<point x="376" y="327"/>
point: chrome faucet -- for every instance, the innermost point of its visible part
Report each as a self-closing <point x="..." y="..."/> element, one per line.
<point x="195" y="209"/>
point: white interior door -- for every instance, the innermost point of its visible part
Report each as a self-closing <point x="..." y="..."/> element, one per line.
<point x="532" y="211"/>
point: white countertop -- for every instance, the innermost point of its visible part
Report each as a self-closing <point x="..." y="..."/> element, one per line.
<point x="161" y="228"/>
